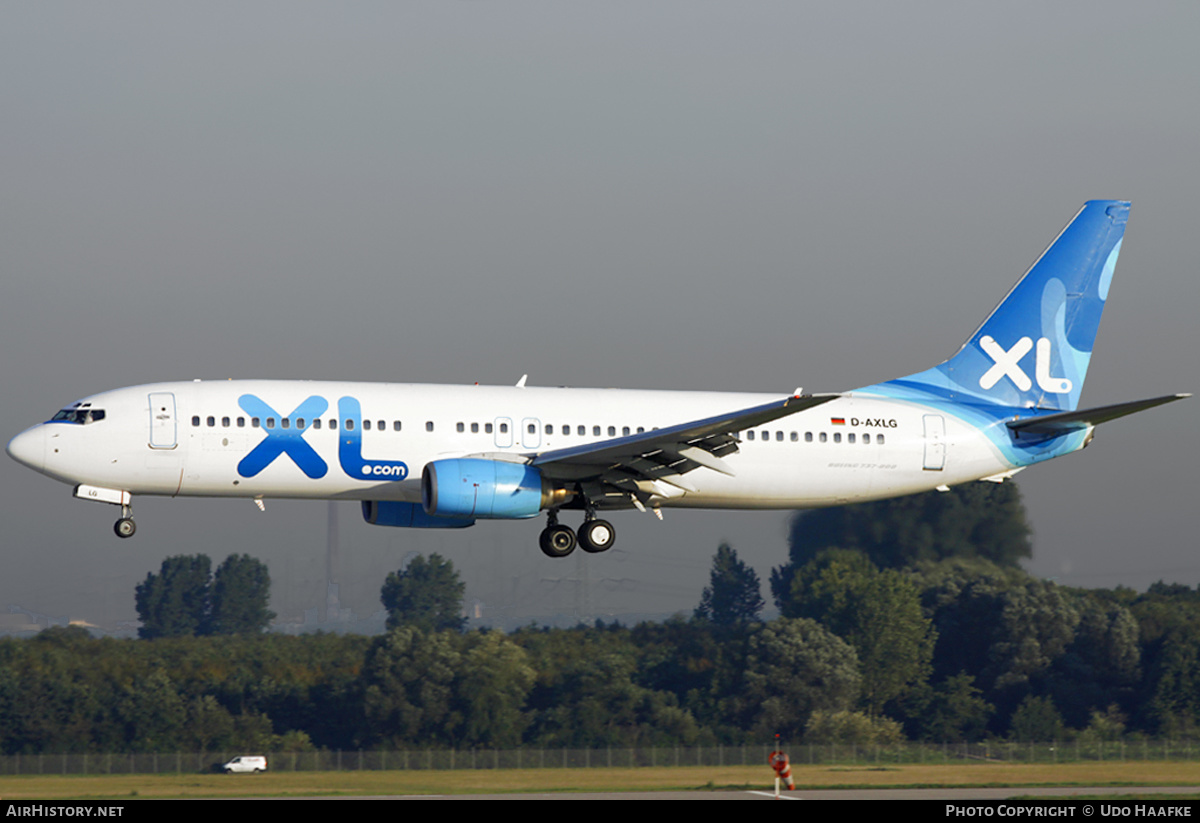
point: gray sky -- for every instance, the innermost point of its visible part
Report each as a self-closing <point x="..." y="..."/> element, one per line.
<point x="683" y="195"/>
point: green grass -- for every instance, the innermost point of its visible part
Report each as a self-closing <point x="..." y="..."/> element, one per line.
<point x="698" y="778"/>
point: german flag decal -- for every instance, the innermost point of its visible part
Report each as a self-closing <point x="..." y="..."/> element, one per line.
<point x="837" y="421"/>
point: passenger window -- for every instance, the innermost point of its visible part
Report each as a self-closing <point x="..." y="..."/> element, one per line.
<point x="225" y="422"/>
<point x="749" y="435"/>
<point x="866" y="438"/>
<point x="196" y="420"/>
<point x="879" y="440"/>
<point x="566" y="429"/>
<point x="270" y="422"/>
<point x="474" y="428"/>
<point x="824" y="437"/>
<point x="850" y="437"/>
<point x="395" y="425"/>
<point x="779" y="436"/>
<point x="428" y="425"/>
<point x="460" y="427"/>
<point x="286" y="422"/>
<point x="212" y="421"/>
<point x="581" y="430"/>
<point x="795" y="437"/>
<point x="549" y="428"/>
<point x="253" y="422"/>
<point x="532" y="428"/>
<point x="241" y="422"/>
<point x="317" y="423"/>
<point x="766" y="435"/>
<point x="640" y="429"/>
<point x="333" y="423"/>
<point x="487" y="428"/>
<point x="808" y="437"/>
<point x="504" y="428"/>
<point x="837" y="437"/>
<point x="612" y="431"/>
<point x="299" y="422"/>
<point x="366" y="425"/>
<point x="349" y="424"/>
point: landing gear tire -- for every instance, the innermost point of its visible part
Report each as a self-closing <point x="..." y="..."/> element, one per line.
<point x="597" y="536"/>
<point x="557" y="541"/>
<point x="125" y="527"/>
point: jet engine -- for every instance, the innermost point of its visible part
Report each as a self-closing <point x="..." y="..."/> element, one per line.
<point x="487" y="489"/>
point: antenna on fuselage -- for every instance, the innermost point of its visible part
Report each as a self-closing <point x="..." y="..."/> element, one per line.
<point x="521" y="382"/>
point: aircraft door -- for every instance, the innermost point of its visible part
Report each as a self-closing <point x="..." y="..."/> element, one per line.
<point x="162" y="421"/>
<point x="504" y="433"/>
<point x="531" y="433"/>
<point x="935" y="442"/>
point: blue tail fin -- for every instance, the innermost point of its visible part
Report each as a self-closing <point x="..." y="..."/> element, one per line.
<point x="1033" y="350"/>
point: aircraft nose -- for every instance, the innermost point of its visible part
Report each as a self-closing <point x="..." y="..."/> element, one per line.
<point x="29" y="448"/>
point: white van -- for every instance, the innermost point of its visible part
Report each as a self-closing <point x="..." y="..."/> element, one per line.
<point x="245" y="764"/>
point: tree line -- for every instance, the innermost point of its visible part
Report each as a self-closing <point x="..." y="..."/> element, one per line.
<point x="890" y="633"/>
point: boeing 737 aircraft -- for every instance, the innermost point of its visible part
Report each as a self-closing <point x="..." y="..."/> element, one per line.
<point x="427" y="456"/>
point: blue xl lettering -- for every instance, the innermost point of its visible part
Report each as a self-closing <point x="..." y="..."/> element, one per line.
<point x="350" y="449"/>
<point x="289" y="441"/>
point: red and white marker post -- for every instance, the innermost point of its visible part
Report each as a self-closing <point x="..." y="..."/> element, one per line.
<point x="783" y="769"/>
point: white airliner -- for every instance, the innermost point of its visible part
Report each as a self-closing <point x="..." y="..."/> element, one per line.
<point x="428" y="456"/>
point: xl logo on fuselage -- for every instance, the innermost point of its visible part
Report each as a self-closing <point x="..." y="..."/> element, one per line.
<point x="1007" y="364"/>
<point x="290" y="441"/>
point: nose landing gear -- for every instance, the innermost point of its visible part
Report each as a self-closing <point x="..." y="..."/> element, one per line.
<point x="125" y="527"/>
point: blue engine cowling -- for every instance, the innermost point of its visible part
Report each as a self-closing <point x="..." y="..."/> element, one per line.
<point x="408" y="515"/>
<point x="489" y="489"/>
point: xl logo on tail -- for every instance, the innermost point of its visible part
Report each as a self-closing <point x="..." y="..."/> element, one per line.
<point x="1007" y="364"/>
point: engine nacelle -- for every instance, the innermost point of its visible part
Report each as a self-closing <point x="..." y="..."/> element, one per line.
<point x="408" y="515"/>
<point x="490" y="489"/>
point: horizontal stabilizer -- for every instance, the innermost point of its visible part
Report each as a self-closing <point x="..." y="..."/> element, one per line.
<point x="1066" y="422"/>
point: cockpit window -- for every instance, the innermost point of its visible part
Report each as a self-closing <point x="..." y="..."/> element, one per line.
<point x="80" y="416"/>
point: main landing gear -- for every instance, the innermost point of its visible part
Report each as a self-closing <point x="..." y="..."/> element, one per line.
<point x="594" y="536"/>
<point x="125" y="527"/>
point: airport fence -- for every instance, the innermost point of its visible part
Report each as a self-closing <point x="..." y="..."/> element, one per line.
<point x="531" y="758"/>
